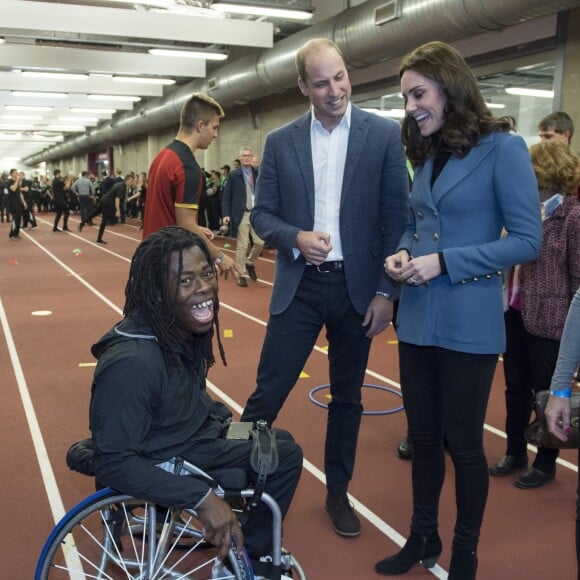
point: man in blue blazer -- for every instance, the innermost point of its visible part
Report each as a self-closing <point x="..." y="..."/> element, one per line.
<point x="332" y="198"/>
<point x="237" y="202"/>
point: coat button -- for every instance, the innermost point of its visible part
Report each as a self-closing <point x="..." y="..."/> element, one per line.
<point x="420" y="214"/>
<point x="415" y="237"/>
<point x="463" y="281"/>
<point x="487" y="276"/>
<point x="475" y="278"/>
<point x="435" y="236"/>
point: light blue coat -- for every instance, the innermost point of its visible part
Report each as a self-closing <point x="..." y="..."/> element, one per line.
<point x="493" y="188"/>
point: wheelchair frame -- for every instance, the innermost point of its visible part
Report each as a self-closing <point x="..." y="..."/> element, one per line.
<point x="141" y="545"/>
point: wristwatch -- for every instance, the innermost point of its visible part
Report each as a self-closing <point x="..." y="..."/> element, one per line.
<point x="221" y="257"/>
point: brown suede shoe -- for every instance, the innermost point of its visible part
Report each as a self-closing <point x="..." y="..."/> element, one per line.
<point x="344" y="521"/>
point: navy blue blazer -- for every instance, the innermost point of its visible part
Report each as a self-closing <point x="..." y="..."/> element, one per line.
<point x="373" y="206"/>
<point x="472" y="201"/>
<point x="234" y="198"/>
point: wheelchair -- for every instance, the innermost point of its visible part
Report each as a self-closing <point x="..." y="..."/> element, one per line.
<point x="110" y="536"/>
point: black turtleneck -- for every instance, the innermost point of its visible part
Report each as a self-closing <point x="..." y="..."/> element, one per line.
<point x="442" y="155"/>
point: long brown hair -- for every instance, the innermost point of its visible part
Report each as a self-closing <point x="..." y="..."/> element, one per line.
<point x="466" y="114"/>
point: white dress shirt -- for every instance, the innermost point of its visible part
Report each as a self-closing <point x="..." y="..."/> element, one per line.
<point x="328" y="162"/>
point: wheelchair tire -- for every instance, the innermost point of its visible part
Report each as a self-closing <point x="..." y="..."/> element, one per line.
<point x="107" y="536"/>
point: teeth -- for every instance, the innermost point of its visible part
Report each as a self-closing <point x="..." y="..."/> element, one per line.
<point x="420" y="118"/>
<point x="205" y="304"/>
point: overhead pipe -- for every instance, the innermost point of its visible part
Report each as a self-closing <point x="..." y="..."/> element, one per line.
<point x="355" y="30"/>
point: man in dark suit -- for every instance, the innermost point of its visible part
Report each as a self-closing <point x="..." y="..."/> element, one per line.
<point x="237" y="202"/>
<point x="332" y="198"/>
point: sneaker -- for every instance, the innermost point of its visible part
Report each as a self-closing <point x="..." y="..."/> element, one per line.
<point x="344" y="521"/>
<point x="101" y="242"/>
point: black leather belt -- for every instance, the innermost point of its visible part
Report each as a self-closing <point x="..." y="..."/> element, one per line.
<point x="327" y="267"/>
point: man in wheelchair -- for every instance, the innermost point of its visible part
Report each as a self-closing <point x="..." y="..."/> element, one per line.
<point x="149" y="402"/>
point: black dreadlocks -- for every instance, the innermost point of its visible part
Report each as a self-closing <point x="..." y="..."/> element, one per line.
<point x="148" y="292"/>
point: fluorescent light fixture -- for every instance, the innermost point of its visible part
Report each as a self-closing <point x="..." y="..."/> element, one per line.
<point x="37" y="95"/>
<point x="145" y="81"/>
<point x="16" y="127"/>
<point x="67" y="128"/>
<point x="87" y="120"/>
<point x="157" y="3"/>
<point x="53" y="75"/>
<point x="27" y="108"/>
<point x="188" y="10"/>
<point x="10" y="136"/>
<point x="495" y="106"/>
<point x="188" y="53"/>
<point x="525" y="92"/>
<point x="22" y="117"/>
<point x="114" y="98"/>
<point x="261" y="10"/>
<point x="92" y="111"/>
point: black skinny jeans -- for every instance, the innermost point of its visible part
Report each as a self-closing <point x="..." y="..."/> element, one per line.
<point x="446" y="394"/>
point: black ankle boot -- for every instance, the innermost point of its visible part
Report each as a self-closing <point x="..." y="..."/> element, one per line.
<point x="424" y="549"/>
<point x="463" y="565"/>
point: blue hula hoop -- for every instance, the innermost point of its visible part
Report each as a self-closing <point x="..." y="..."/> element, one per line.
<point x="367" y="385"/>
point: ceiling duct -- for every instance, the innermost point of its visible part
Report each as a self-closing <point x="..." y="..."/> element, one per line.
<point x="362" y="41"/>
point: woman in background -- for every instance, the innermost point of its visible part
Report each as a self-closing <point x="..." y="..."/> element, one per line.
<point x="539" y="295"/>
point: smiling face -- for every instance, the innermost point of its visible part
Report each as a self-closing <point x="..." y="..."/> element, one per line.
<point x="196" y="292"/>
<point x="424" y="101"/>
<point x="326" y="85"/>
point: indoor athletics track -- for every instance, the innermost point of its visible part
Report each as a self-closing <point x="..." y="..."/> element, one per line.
<point x="59" y="292"/>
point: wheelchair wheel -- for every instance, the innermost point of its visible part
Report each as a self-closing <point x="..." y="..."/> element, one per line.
<point x="113" y="536"/>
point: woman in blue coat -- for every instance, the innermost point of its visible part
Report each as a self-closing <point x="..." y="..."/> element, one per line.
<point x="475" y="213"/>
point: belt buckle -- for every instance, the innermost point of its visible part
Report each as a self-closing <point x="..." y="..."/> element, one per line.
<point x="322" y="271"/>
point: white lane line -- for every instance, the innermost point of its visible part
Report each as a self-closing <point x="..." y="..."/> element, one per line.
<point x="79" y="278"/>
<point x="46" y="471"/>
<point x="53" y="494"/>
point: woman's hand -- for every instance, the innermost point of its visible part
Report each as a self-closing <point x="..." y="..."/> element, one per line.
<point x="413" y="271"/>
<point x="395" y="263"/>
<point x="558" y="416"/>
